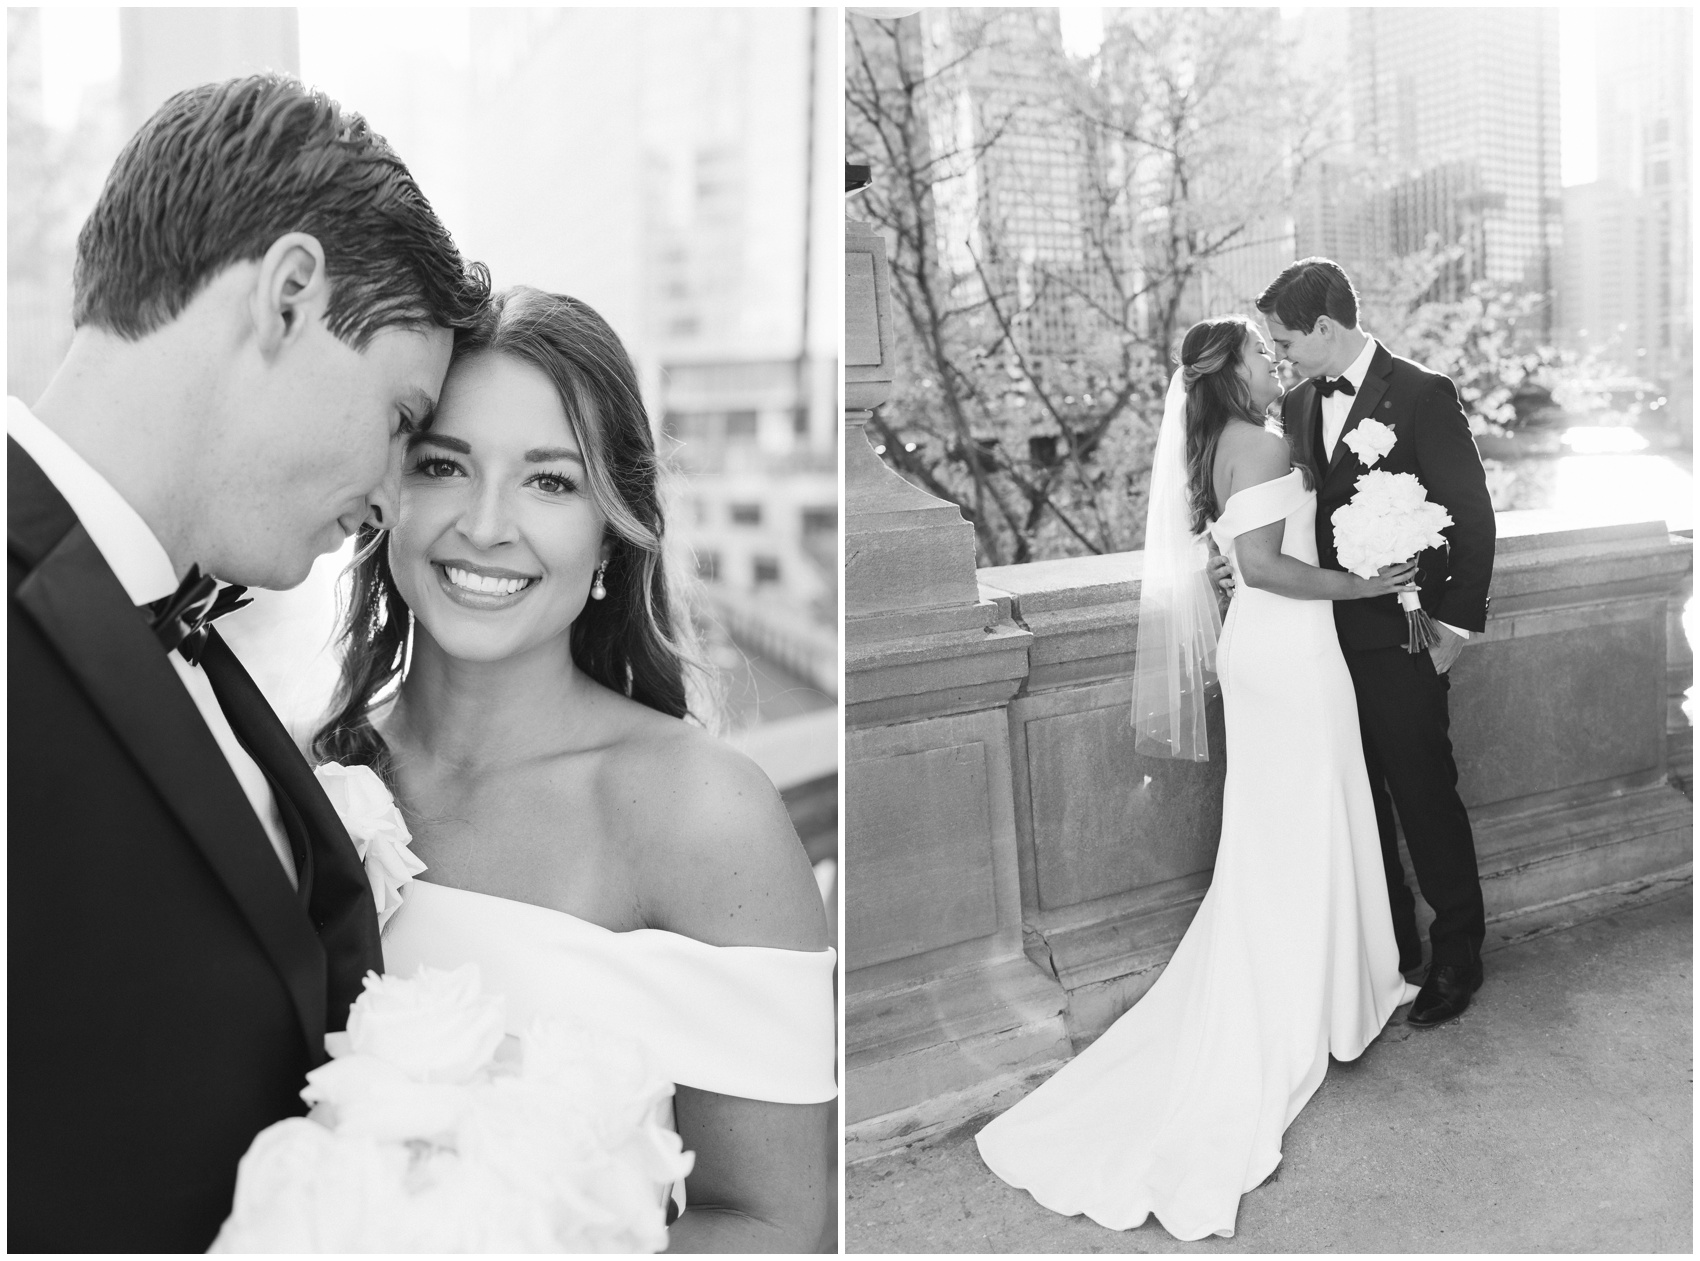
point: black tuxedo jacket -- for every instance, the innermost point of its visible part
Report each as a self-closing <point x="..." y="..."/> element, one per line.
<point x="1433" y="442"/>
<point x="168" y="988"/>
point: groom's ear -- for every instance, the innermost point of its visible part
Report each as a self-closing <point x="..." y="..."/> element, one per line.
<point x="290" y="290"/>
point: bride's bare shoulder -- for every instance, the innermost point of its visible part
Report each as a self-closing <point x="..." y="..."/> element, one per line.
<point x="1248" y="455"/>
<point x="714" y="854"/>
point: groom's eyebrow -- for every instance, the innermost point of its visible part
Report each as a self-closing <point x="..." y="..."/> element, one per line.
<point x="423" y="409"/>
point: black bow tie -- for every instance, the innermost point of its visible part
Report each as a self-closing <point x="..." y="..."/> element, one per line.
<point x="1339" y="385"/>
<point x="180" y="619"/>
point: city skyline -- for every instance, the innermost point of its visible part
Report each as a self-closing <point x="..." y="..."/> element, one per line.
<point x="1082" y="31"/>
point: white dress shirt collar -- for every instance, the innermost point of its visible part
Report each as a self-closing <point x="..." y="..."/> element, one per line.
<point x="1359" y="368"/>
<point x="128" y="546"/>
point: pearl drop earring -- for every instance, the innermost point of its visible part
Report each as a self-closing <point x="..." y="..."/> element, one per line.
<point x="407" y="648"/>
<point x="597" y="590"/>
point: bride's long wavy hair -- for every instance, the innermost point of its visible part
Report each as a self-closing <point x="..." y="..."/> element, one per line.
<point x="1215" y="394"/>
<point x="638" y="641"/>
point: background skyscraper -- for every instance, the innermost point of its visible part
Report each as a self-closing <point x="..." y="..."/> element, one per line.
<point x="1010" y="215"/>
<point x="1628" y="288"/>
<point x="1453" y="122"/>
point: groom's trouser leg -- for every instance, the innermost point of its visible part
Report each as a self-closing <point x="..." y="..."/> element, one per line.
<point x="1399" y="898"/>
<point x="1406" y="729"/>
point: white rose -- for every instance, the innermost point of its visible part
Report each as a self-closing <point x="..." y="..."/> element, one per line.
<point x="368" y="811"/>
<point x="468" y="1207"/>
<point x="373" y="1098"/>
<point x="602" y="1181"/>
<point x="590" y="1065"/>
<point x="610" y="1080"/>
<point x="435" y="1026"/>
<point x="301" y="1188"/>
<point x="1370" y="441"/>
<point x="1405" y="492"/>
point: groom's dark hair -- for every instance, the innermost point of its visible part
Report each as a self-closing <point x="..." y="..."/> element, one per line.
<point x="1308" y="290"/>
<point x="223" y="170"/>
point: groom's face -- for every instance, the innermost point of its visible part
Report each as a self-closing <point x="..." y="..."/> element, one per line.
<point x="314" y="444"/>
<point x="1309" y="353"/>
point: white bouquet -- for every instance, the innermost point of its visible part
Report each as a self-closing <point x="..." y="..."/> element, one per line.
<point x="1389" y="520"/>
<point x="431" y="1132"/>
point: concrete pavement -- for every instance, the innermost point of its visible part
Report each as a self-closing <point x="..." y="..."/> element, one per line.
<point x="1555" y="1115"/>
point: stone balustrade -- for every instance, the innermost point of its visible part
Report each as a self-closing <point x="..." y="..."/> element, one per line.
<point x="1021" y="874"/>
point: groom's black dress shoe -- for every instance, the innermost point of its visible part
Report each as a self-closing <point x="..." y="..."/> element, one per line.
<point x="1445" y="994"/>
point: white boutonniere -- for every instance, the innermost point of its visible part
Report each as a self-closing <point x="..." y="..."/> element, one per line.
<point x="375" y="826"/>
<point x="1370" y="441"/>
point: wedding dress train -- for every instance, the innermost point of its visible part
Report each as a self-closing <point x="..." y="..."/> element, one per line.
<point x="1178" y="1108"/>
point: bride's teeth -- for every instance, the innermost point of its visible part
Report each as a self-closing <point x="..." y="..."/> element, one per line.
<point x="482" y="583"/>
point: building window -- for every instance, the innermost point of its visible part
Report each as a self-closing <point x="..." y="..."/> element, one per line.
<point x="1661" y="174"/>
<point x="746" y="514"/>
<point x="690" y="426"/>
<point x="800" y="421"/>
<point x="708" y="566"/>
<point x="766" y="570"/>
<point x="819" y="521"/>
<point x="740" y="424"/>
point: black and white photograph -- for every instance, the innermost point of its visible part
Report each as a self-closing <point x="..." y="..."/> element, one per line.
<point x="423" y="633"/>
<point x="1268" y="524"/>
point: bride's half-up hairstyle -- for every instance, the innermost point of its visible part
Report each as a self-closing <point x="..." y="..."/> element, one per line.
<point x="635" y="641"/>
<point x="1215" y="394"/>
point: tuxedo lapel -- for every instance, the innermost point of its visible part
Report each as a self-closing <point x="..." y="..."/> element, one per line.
<point x="1313" y="432"/>
<point x="1367" y="399"/>
<point x="74" y="598"/>
<point x="334" y="887"/>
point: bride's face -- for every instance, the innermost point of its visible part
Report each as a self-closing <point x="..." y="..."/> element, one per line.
<point x="498" y="539"/>
<point x="1260" y="371"/>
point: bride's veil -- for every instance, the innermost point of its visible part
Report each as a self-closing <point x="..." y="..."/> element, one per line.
<point x="1179" y="619"/>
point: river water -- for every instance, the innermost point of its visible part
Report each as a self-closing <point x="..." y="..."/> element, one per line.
<point x="1600" y="473"/>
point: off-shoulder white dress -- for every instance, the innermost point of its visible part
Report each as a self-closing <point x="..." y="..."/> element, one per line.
<point x="749" y="1021"/>
<point x="1179" y="1107"/>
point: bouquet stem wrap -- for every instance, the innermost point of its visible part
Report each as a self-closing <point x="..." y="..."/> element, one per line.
<point x="1423" y="634"/>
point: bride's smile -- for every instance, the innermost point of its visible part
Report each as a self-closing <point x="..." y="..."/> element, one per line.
<point x="499" y="539"/>
<point x="480" y="587"/>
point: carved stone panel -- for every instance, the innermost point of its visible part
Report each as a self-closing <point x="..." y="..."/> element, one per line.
<point x="1106" y="820"/>
<point x="861" y="319"/>
<point x="1573" y="697"/>
<point x="919" y="838"/>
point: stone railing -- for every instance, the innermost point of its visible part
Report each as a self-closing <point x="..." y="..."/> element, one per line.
<point x="1022" y="875"/>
